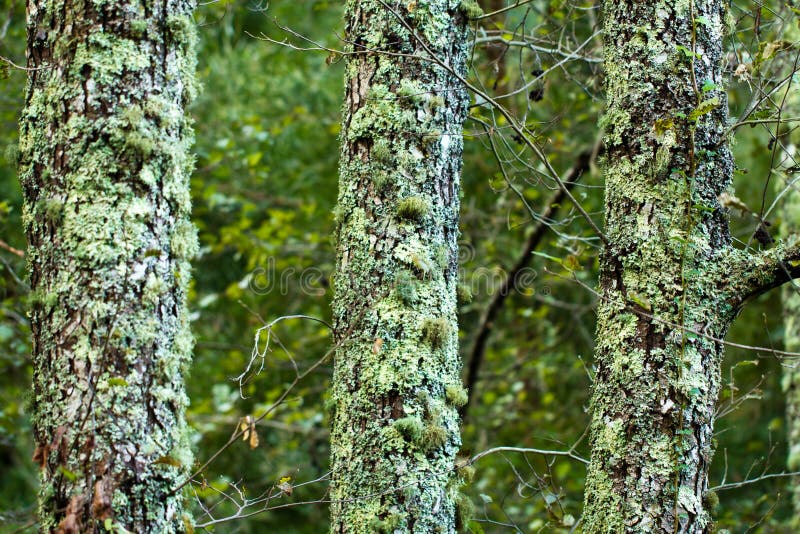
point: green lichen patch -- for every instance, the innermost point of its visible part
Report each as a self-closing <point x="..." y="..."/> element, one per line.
<point x="406" y="288"/>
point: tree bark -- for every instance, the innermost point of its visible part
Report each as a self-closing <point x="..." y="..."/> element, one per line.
<point x="105" y="175"/>
<point x="396" y="385"/>
<point x="671" y="283"/>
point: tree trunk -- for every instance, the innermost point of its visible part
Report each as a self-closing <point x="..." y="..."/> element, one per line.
<point x="105" y="175"/>
<point x="791" y="368"/>
<point x="396" y="385"/>
<point x="790" y="214"/>
<point x="671" y="283"/>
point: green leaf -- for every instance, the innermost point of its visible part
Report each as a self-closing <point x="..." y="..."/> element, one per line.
<point x="168" y="460"/>
<point x="662" y="125"/>
<point x="708" y="85"/>
<point x="69" y="475"/>
<point x="687" y="52"/>
<point x="641" y="300"/>
<point x="704" y="108"/>
<point x="571" y="263"/>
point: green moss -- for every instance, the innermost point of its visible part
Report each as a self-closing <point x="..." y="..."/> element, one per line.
<point x="140" y="144"/>
<point x="182" y="28"/>
<point x="422" y="265"/>
<point x="329" y="405"/>
<point x="382" y="180"/>
<point x="456" y="395"/>
<point x="153" y="289"/>
<point x="388" y="525"/>
<point x="52" y="210"/>
<point x="433" y="437"/>
<point x="410" y="428"/>
<point x="183" y="241"/>
<point x="466" y="472"/>
<point x="471" y="9"/>
<point x="435" y="331"/>
<point x="139" y="27"/>
<point x="413" y="208"/>
<point x="381" y="152"/>
<point x="711" y="500"/>
<point x="440" y="256"/>
<point x="464" y="294"/>
<point x="411" y="90"/>
<point x="46" y="299"/>
<point x="465" y="511"/>
<point x="338" y="214"/>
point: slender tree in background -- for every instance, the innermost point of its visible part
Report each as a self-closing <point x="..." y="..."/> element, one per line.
<point x="786" y="145"/>
<point x="671" y="283"/>
<point x="104" y="169"/>
<point x="791" y="340"/>
<point x="396" y="385"/>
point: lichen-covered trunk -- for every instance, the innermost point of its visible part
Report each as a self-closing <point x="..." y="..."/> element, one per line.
<point x="664" y="285"/>
<point x="396" y="384"/>
<point x="104" y="170"/>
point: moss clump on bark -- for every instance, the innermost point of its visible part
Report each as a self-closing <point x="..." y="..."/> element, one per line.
<point x="413" y="208"/>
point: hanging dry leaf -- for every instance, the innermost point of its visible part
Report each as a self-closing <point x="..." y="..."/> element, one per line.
<point x="244" y="427"/>
<point x="253" y="441"/>
<point x="285" y="485"/>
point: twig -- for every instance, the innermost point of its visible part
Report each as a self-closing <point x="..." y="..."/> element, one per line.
<point x="11" y="249"/>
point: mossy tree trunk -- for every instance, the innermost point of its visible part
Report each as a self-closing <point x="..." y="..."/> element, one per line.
<point x="396" y="384"/>
<point x="671" y="283"/>
<point x="105" y="170"/>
